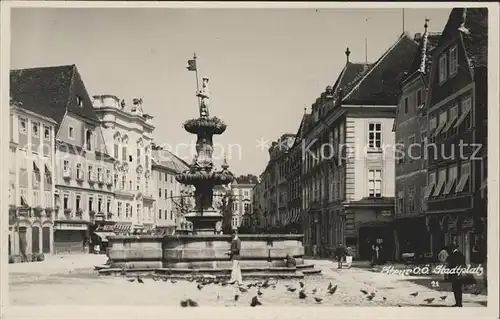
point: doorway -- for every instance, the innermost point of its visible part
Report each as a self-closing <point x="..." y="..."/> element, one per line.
<point x="35" y="239"/>
<point x="46" y="240"/>
<point x="22" y="241"/>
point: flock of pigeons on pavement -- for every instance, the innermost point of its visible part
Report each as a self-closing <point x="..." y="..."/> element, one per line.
<point x="258" y="287"/>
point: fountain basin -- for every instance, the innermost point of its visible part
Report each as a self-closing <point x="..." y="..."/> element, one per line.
<point x="203" y="126"/>
<point x="179" y="255"/>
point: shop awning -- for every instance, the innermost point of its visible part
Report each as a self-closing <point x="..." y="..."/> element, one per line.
<point x="462" y="116"/>
<point x="102" y="236"/>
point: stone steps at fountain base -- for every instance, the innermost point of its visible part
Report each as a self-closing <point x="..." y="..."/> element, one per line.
<point x="270" y="272"/>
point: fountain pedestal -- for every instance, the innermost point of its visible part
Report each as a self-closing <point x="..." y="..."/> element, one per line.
<point x="204" y="224"/>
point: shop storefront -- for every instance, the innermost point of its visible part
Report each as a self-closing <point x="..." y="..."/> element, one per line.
<point x="100" y="232"/>
<point x="71" y="237"/>
<point x="122" y="229"/>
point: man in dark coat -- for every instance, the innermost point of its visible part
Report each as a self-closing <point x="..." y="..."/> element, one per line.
<point x="456" y="259"/>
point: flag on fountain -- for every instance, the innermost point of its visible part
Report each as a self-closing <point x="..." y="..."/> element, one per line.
<point x="191" y="65"/>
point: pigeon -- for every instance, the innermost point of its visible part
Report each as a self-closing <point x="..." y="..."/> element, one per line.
<point x="429" y="300"/>
<point x="173" y="281"/>
<point x="255" y="302"/>
<point x="301" y="284"/>
<point x="372" y="294"/>
<point x="443" y="297"/>
<point x="190" y="279"/>
<point x="199" y="286"/>
<point x="184" y="303"/>
<point x="370" y="297"/>
<point x="243" y="290"/>
<point x="384" y="298"/>
<point x="265" y="284"/>
<point x="192" y="303"/>
<point x="318" y="299"/>
<point x="302" y="294"/>
<point x="314" y="290"/>
<point x="155" y="278"/>
<point x="165" y="279"/>
<point x="139" y="280"/>
<point x="291" y="289"/>
<point x="236" y="297"/>
<point x="364" y="291"/>
<point x="131" y="280"/>
<point x="259" y="292"/>
<point x="332" y="290"/>
<point x="223" y="284"/>
<point x="414" y="294"/>
<point x="330" y="286"/>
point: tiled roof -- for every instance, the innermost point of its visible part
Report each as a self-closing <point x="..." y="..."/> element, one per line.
<point x="380" y="85"/>
<point x="48" y="91"/>
<point x="168" y="160"/>
<point x="475" y="20"/>
<point x="350" y="75"/>
<point x="423" y="56"/>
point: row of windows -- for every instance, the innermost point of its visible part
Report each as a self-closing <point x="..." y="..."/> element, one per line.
<point x="447" y="180"/>
<point x="121" y="183"/>
<point x="448" y="64"/>
<point x="166" y="214"/>
<point x="418" y="100"/>
<point x="448" y="121"/>
<point x="126" y="157"/>
<point x="102" y="205"/>
<point x="35" y="129"/>
<point x="410" y="208"/>
<point x="90" y="173"/>
<point x="246" y="207"/>
<point x="36" y="199"/>
<point x="165" y="194"/>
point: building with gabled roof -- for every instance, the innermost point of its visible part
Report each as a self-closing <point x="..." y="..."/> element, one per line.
<point x="410" y="128"/>
<point x="172" y="199"/>
<point x="457" y="120"/>
<point x="347" y="158"/>
<point x="83" y="178"/>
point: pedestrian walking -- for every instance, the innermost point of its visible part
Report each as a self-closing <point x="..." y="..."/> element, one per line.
<point x="236" y="276"/>
<point x="456" y="259"/>
<point x="340" y="254"/>
<point x="443" y="257"/>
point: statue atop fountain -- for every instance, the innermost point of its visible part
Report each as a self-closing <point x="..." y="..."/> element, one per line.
<point x="201" y="173"/>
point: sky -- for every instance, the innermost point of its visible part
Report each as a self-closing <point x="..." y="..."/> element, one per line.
<point x="265" y="65"/>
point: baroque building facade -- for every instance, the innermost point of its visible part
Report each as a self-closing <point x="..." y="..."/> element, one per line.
<point x="128" y="131"/>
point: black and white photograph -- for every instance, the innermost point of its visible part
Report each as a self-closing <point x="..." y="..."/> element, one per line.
<point x="306" y="156"/>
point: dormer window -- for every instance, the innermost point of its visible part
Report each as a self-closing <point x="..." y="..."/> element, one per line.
<point x="79" y="101"/>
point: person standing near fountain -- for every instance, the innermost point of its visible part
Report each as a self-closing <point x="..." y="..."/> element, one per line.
<point x="235" y="257"/>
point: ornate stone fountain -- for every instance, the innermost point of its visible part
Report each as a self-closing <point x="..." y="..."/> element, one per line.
<point x="205" y="251"/>
<point x="201" y="173"/>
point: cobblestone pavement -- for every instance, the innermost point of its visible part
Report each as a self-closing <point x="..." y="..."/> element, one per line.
<point x="72" y="281"/>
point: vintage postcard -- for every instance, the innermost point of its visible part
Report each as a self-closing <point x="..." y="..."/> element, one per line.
<point x="266" y="160"/>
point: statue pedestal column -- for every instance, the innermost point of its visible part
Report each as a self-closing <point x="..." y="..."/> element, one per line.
<point x="204" y="224"/>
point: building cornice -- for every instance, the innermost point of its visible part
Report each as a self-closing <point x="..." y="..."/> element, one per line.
<point x="23" y="112"/>
<point x="126" y="115"/>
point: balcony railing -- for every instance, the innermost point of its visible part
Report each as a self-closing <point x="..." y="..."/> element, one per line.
<point x="67" y="174"/>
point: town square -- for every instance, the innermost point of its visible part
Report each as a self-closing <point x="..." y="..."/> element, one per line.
<point x="190" y="157"/>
